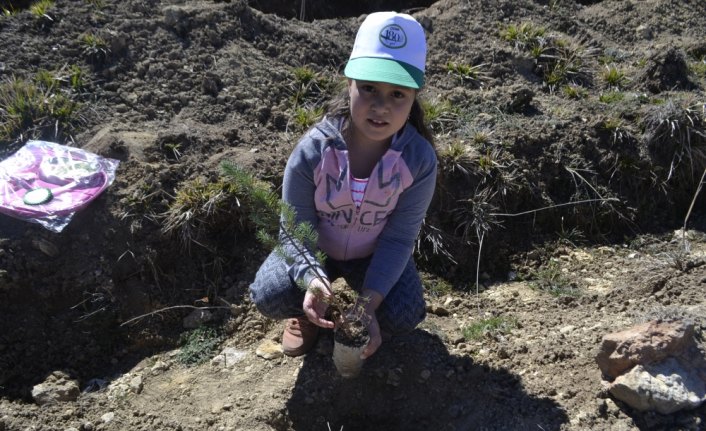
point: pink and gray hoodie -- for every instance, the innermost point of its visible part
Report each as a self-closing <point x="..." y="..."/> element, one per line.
<point x="400" y="188"/>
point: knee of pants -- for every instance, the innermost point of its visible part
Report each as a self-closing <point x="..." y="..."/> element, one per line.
<point x="401" y="320"/>
<point x="280" y="302"/>
<point x="274" y="293"/>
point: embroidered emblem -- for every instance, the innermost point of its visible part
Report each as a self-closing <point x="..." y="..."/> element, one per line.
<point x="393" y="36"/>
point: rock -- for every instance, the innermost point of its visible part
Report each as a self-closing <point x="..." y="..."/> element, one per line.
<point x="520" y="100"/>
<point x="197" y="318"/>
<point x="108" y="417"/>
<point x="567" y="329"/>
<point x="136" y="384"/>
<point x="269" y="350"/>
<point x="438" y="310"/>
<point x="159" y="367"/>
<point x="58" y="387"/>
<point x="229" y="357"/>
<point x="666" y="387"/>
<point x="643" y="344"/>
<point x="46" y="247"/>
<point x="643" y="32"/>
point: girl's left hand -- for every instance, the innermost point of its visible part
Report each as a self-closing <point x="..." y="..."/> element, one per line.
<point x="370" y="301"/>
<point x="375" y="337"/>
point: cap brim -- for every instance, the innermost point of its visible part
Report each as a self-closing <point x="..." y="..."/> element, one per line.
<point x="384" y="70"/>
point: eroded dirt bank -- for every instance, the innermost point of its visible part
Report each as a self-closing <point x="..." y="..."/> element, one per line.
<point x="178" y="87"/>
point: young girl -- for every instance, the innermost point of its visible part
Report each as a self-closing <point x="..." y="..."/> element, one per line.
<point x="363" y="177"/>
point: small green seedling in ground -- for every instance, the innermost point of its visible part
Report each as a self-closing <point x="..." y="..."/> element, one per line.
<point x="575" y="92"/>
<point x="437" y="287"/>
<point x="76" y="77"/>
<point x="611" y="97"/>
<point x="473" y="74"/>
<point x="303" y="75"/>
<point x="306" y="117"/>
<point x="455" y="158"/>
<point x="25" y="106"/>
<point x="492" y="327"/>
<point x="46" y="79"/>
<point x="309" y="87"/>
<point x="614" y="77"/>
<point x="94" y="48"/>
<point x="41" y="9"/>
<point x="481" y="137"/>
<point x="698" y="67"/>
<point x="198" y="345"/>
<point x="8" y="11"/>
<point x="440" y="115"/>
<point x="676" y="131"/>
<point x="550" y="278"/>
<point x="616" y="128"/>
<point x="568" y="61"/>
<point x="199" y="207"/>
<point x="523" y="36"/>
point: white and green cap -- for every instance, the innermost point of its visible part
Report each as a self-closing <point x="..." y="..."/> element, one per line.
<point x="389" y="47"/>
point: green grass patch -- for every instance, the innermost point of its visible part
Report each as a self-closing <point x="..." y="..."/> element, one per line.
<point x="455" y="158"/>
<point x="202" y="207"/>
<point x="552" y="280"/>
<point x="437" y="287"/>
<point x="575" y="92"/>
<point x="440" y="115"/>
<point x="468" y="73"/>
<point x="524" y="36"/>
<point x="305" y="117"/>
<point x="310" y="88"/>
<point x="95" y="48"/>
<point x="698" y="68"/>
<point x="41" y="8"/>
<point x="491" y="327"/>
<point x="29" y="105"/>
<point x="611" y="97"/>
<point x="198" y="345"/>
<point x="614" y="77"/>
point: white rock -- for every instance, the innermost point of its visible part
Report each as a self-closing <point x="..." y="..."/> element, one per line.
<point x="58" y="387"/>
<point x="108" y="417"/>
<point x="566" y="329"/>
<point x="229" y="357"/>
<point x="644" y="32"/>
<point x="665" y="387"/>
<point x="136" y="384"/>
<point x="159" y="367"/>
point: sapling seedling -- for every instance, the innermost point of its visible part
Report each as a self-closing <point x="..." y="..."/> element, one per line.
<point x="278" y="229"/>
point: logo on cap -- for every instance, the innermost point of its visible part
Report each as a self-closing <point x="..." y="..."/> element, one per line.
<point x="392" y="36"/>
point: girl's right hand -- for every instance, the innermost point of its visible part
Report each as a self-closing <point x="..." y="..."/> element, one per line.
<point x="316" y="304"/>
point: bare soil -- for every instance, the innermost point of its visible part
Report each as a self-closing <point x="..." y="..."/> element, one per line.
<point x="185" y="85"/>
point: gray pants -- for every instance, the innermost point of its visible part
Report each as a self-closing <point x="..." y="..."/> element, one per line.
<point x="277" y="296"/>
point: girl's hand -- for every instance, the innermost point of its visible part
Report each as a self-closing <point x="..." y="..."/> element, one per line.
<point x="375" y="337"/>
<point x="315" y="303"/>
<point x="370" y="300"/>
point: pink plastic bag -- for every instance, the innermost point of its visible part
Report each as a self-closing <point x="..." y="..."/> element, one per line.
<point x="47" y="183"/>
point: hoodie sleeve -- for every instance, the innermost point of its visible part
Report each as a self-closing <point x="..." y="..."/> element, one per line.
<point x="298" y="189"/>
<point x="396" y="242"/>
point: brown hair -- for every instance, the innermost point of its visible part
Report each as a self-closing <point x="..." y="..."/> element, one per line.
<point x="339" y="106"/>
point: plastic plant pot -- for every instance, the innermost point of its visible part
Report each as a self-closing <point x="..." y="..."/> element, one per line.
<point x="348" y="345"/>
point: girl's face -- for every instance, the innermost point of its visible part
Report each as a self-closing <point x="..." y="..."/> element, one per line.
<point x="378" y="109"/>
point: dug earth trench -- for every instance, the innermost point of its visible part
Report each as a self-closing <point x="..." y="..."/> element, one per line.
<point x="557" y="223"/>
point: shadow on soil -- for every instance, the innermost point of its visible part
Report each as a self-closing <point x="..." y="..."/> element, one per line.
<point x="414" y="383"/>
